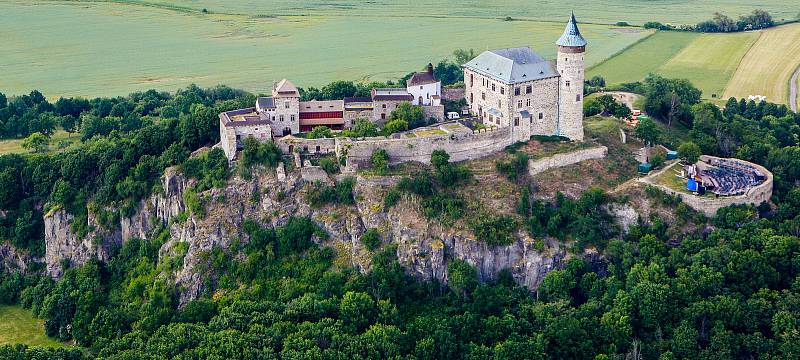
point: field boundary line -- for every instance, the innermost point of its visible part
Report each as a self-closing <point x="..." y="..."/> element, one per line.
<point x="738" y="66"/>
<point x="793" y="89"/>
<point x="626" y="48"/>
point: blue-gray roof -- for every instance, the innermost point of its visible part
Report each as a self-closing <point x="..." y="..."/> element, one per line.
<point x="265" y="103"/>
<point x="512" y="65"/>
<point x="572" y="35"/>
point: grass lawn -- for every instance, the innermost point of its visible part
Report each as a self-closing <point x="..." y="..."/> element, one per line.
<point x="710" y="60"/>
<point x="59" y="138"/>
<point x="768" y="66"/>
<point x="111" y="48"/>
<point x="645" y="57"/>
<point x="18" y="326"/>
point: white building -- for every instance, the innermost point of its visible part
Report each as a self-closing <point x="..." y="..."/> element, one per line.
<point x="425" y="88"/>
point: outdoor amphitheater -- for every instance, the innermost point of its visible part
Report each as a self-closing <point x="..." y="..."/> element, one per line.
<point x="713" y="183"/>
<point x="723" y="177"/>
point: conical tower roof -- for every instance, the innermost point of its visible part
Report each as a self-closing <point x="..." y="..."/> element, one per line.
<point x="572" y="36"/>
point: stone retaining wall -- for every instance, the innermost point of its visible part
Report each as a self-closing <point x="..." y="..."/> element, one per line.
<point x="559" y="160"/>
<point x="461" y="147"/>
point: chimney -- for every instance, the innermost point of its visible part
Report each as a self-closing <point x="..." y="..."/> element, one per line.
<point x="430" y="68"/>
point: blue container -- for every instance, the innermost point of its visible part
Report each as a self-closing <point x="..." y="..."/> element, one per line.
<point x="691" y="185"/>
<point x="672" y="155"/>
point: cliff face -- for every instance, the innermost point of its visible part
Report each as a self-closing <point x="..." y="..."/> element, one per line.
<point x="424" y="247"/>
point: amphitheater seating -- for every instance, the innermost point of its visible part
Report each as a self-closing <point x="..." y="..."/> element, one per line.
<point x="728" y="177"/>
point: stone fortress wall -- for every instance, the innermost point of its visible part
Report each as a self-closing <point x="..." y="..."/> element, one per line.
<point x="460" y="147"/>
<point x="710" y="205"/>
<point x="541" y="165"/>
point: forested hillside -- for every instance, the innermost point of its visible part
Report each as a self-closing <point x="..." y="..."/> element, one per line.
<point x="730" y="289"/>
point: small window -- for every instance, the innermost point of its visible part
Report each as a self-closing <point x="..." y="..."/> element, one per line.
<point x="317" y="148"/>
<point x="528" y="102"/>
<point x="471" y="98"/>
<point x="292" y="117"/>
<point x="578" y="97"/>
<point x="493" y="87"/>
<point x="519" y="104"/>
<point x="541" y="116"/>
<point x="286" y="104"/>
<point x="516" y="121"/>
<point x="502" y="91"/>
<point x="281" y="118"/>
<point x="483" y="96"/>
<point x="471" y="80"/>
<point x="516" y="91"/>
<point x="499" y="103"/>
<point x="567" y="83"/>
<point x="383" y="116"/>
<point x="384" y="106"/>
<point x="420" y="87"/>
<point x="528" y="89"/>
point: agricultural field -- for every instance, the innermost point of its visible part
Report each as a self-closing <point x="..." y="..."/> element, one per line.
<point x="18" y="326"/>
<point x="721" y="65"/>
<point x="93" y="49"/>
<point x="642" y="58"/>
<point x="768" y="66"/>
<point x="607" y="12"/>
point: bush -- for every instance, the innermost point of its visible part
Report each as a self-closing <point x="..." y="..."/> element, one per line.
<point x="339" y="193"/>
<point x="591" y="107"/>
<point x="380" y="161"/>
<point x="329" y="164"/>
<point x="319" y="132"/>
<point x="371" y="239"/>
<point x="392" y="197"/>
<point x="495" y="230"/>
<point x="515" y="168"/>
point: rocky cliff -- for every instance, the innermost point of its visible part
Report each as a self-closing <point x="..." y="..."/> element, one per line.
<point x="424" y="247"/>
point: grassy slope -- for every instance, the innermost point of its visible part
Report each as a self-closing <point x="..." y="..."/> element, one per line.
<point x="768" y="66"/>
<point x="113" y="49"/>
<point x="14" y="146"/>
<point x="642" y="58"/>
<point x="18" y="326"/>
<point x="710" y="60"/>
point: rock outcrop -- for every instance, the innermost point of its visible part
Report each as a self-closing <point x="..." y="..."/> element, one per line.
<point x="424" y="247"/>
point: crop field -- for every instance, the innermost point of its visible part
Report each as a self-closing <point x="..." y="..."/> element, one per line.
<point x="607" y="12"/>
<point x="93" y="49"/>
<point x="644" y="57"/>
<point x="18" y="326"/>
<point x="769" y="65"/>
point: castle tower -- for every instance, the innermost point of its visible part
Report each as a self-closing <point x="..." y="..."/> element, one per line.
<point x="570" y="64"/>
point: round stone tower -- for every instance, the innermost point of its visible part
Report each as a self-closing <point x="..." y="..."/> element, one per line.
<point x="570" y="64"/>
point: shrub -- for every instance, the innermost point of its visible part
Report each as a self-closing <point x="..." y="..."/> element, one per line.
<point x="329" y="164"/>
<point x="495" y="230"/>
<point x="380" y="161"/>
<point x="319" y="132"/>
<point x="392" y="197"/>
<point x="371" y="239"/>
<point x="339" y="193"/>
<point x="514" y="168"/>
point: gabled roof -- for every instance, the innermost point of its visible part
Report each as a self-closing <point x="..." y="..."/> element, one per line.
<point x="572" y="35"/>
<point x="391" y="94"/>
<point x="423" y="78"/>
<point x="285" y="88"/>
<point x="513" y="65"/>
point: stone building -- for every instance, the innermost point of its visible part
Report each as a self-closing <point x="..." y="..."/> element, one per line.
<point x="519" y="89"/>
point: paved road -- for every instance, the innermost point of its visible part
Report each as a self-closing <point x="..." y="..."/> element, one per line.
<point x="793" y="90"/>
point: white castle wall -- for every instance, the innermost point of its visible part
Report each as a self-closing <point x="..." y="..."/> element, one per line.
<point x="541" y="165"/>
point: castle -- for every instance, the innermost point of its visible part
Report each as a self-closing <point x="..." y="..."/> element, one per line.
<point x="514" y="90"/>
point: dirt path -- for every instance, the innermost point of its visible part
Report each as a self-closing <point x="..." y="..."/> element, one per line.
<point x="793" y="90"/>
<point x="626" y="98"/>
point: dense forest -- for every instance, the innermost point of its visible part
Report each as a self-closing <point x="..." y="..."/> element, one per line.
<point x="728" y="291"/>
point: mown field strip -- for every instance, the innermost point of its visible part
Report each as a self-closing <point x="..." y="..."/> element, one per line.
<point x="710" y="60"/>
<point x="645" y="57"/>
<point x="768" y="65"/>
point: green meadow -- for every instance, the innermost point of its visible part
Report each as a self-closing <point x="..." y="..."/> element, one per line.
<point x="18" y="326"/>
<point x="93" y="49"/>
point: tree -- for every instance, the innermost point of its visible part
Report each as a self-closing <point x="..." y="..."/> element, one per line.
<point x="357" y="309"/>
<point x="371" y="239"/>
<point x="413" y="115"/>
<point x="648" y="131"/>
<point x="670" y="99"/>
<point x="689" y="152"/>
<point x="380" y="161"/>
<point x="319" y="132"/>
<point x="361" y="128"/>
<point x="463" y="55"/>
<point x="462" y="277"/>
<point x="36" y="142"/>
<point x="395" y="126"/>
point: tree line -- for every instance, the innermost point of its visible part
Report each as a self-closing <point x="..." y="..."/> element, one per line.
<point x="758" y="19"/>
